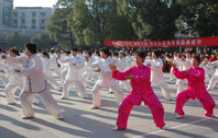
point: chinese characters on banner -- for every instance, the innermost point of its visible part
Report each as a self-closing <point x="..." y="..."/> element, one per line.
<point x="193" y="42"/>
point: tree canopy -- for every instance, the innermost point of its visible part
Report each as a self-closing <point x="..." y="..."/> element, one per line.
<point x="90" y="22"/>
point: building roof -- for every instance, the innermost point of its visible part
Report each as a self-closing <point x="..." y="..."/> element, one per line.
<point x="31" y="8"/>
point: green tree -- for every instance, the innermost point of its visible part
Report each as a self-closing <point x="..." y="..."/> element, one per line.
<point x="17" y="40"/>
<point x="90" y="22"/>
<point x="80" y="22"/>
<point x="201" y="16"/>
<point x="58" y="28"/>
<point x="151" y="19"/>
<point x="108" y="23"/>
<point x="42" y="40"/>
<point x="65" y="3"/>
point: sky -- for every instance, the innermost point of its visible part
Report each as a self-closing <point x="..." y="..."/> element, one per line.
<point x="34" y="3"/>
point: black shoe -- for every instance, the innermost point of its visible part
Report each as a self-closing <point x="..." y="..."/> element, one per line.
<point x="119" y="129"/>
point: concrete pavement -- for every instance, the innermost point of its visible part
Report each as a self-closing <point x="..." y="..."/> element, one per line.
<point x="83" y="122"/>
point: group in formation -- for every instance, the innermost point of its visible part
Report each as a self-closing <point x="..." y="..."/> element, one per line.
<point x="36" y="73"/>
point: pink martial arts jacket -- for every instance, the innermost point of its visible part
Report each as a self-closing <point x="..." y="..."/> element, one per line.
<point x="140" y="82"/>
<point x="195" y="77"/>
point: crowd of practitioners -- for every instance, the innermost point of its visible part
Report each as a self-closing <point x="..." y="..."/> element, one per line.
<point x="36" y="73"/>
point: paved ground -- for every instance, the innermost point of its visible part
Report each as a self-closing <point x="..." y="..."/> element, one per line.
<point x="82" y="122"/>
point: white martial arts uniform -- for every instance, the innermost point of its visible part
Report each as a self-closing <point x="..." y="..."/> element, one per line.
<point x="3" y="69"/>
<point x="214" y="79"/>
<point x="15" y="82"/>
<point x="122" y="65"/>
<point x="105" y="81"/>
<point x="88" y="73"/>
<point x="180" y="84"/>
<point x="4" y="76"/>
<point x="53" y="84"/>
<point x="35" y="84"/>
<point x="148" y="61"/>
<point x="157" y="77"/>
<point x="74" y="76"/>
<point x="56" y="71"/>
<point x="48" y="73"/>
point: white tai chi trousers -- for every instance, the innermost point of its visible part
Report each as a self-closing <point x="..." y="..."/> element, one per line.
<point x="78" y="84"/>
<point x="111" y="84"/>
<point x="47" y="99"/>
<point x="164" y="87"/>
<point x="212" y="83"/>
<point x="10" y="90"/>
<point x="181" y="85"/>
<point x="52" y="83"/>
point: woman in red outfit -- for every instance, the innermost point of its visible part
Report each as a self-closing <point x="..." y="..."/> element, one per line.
<point x="196" y="88"/>
<point x="139" y="75"/>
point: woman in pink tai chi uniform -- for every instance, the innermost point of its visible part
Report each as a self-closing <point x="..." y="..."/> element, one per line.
<point x="139" y="75"/>
<point x="196" y="88"/>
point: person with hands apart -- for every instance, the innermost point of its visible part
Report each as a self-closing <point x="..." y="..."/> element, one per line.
<point x="139" y="76"/>
<point x="196" y="88"/>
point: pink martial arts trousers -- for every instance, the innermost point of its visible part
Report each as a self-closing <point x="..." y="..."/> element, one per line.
<point x="204" y="97"/>
<point x="150" y="100"/>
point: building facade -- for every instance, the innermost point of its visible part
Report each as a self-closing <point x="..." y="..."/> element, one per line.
<point x="25" y="20"/>
<point x="6" y="11"/>
<point x="31" y="19"/>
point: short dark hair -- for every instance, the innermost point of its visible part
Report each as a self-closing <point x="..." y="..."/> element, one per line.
<point x="116" y="54"/>
<point x="141" y="53"/>
<point x="121" y="53"/>
<point x="52" y="50"/>
<point x="15" y="51"/>
<point x="157" y="53"/>
<point x="45" y="54"/>
<point x="106" y="51"/>
<point x="75" y="49"/>
<point x="32" y="48"/>
<point x="89" y="53"/>
<point x="197" y="58"/>
<point x="67" y="52"/>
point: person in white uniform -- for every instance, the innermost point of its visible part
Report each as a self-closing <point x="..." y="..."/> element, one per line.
<point x="15" y="80"/>
<point x="74" y="76"/>
<point x="55" y="67"/>
<point x="35" y="84"/>
<point x="89" y="74"/>
<point x="105" y="80"/>
<point x="123" y="64"/>
<point x="157" y="75"/>
<point x="180" y="63"/>
<point x="214" y="79"/>
<point x="47" y="71"/>
<point x="4" y="76"/>
<point x="64" y="67"/>
<point x="208" y="69"/>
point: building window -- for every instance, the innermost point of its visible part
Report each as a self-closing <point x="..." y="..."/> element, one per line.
<point x="23" y="21"/>
<point x="34" y="14"/>
<point x="33" y="27"/>
<point x="42" y="27"/>
<point x="16" y="14"/>
<point x="33" y="21"/>
<point x="33" y="24"/>
<point x="43" y="21"/>
<point x="23" y="14"/>
<point x="42" y="14"/>
<point x="23" y="26"/>
<point x="15" y="23"/>
<point x="7" y="15"/>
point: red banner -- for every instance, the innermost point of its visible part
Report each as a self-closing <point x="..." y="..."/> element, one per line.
<point x="192" y="42"/>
